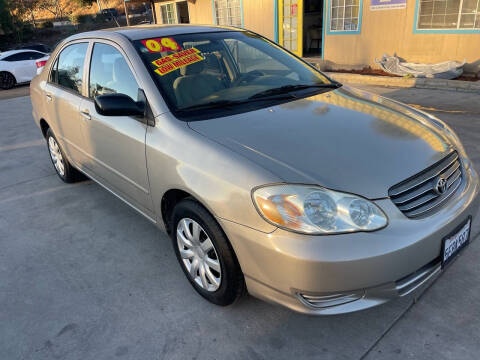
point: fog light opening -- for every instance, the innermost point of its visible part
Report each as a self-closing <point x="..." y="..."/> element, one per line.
<point x="330" y="300"/>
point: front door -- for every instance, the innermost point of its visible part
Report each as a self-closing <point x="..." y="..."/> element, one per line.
<point x="63" y="93"/>
<point x="25" y="70"/>
<point x="115" y="145"/>
<point x="290" y="14"/>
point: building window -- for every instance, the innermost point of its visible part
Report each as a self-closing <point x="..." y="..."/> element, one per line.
<point x="449" y="14"/>
<point x="168" y="14"/>
<point x="228" y="12"/>
<point x="175" y="13"/>
<point x="345" y="15"/>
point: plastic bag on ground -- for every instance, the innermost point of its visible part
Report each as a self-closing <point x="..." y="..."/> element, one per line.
<point x="443" y="70"/>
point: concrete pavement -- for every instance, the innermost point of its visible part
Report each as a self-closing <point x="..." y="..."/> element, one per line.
<point x="83" y="276"/>
<point x="444" y="323"/>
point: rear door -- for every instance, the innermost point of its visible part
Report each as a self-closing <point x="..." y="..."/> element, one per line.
<point x="23" y="65"/>
<point x="63" y="95"/>
<point x="30" y="66"/>
<point x="115" y="145"/>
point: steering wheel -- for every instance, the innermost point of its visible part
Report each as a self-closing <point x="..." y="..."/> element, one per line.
<point x="249" y="76"/>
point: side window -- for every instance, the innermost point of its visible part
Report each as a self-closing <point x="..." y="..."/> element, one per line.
<point x="35" y="55"/>
<point x="9" y="58"/>
<point x="70" y="66"/>
<point x="109" y="73"/>
<point x="16" y="57"/>
<point x="27" y="55"/>
<point x="54" y="73"/>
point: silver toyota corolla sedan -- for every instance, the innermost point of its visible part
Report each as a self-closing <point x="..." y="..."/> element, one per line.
<point x="268" y="176"/>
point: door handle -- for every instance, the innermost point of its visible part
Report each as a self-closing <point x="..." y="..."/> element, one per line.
<point x="49" y="97"/>
<point x="85" y="114"/>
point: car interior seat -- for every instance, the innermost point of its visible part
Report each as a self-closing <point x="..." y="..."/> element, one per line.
<point x="194" y="84"/>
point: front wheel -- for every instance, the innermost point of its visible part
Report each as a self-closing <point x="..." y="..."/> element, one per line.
<point x="205" y="254"/>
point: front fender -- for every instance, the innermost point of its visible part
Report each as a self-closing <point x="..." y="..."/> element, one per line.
<point x="180" y="158"/>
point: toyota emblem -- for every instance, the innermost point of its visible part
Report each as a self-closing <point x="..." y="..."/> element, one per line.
<point x="440" y="185"/>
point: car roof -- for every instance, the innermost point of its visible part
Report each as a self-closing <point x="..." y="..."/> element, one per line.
<point x="151" y="31"/>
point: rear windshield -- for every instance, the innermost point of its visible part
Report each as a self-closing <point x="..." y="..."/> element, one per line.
<point x="206" y="75"/>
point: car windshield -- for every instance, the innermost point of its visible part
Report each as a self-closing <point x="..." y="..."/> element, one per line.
<point x="213" y="74"/>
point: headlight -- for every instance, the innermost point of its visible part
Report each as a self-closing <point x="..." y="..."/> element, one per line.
<point x="316" y="210"/>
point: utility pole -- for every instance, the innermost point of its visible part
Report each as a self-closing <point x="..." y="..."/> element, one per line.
<point x="99" y="4"/>
<point x="126" y="12"/>
<point x="154" y="13"/>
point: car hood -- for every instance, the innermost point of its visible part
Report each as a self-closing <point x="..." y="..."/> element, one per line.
<point x="346" y="139"/>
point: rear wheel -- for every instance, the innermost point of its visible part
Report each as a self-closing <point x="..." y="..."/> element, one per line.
<point x="7" y="80"/>
<point x="64" y="170"/>
<point x="205" y="254"/>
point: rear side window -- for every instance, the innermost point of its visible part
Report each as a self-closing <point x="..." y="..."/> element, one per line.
<point x="110" y="73"/>
<point x="34" y="55"/>
<point x="13" y="57"/>
<point x="68" y="69"/>
<point x="28" y="55"/>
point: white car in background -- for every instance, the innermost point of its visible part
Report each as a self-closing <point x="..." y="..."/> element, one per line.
<point x="19" y="66"/>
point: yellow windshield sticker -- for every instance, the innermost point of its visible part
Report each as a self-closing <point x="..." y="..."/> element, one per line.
<point x="176" y="61"/>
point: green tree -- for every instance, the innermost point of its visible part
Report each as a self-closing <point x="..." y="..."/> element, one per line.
<point x="25" y="9"/>
<point x="54" y="7"/>
<point x="6" y="17"/>
<point x="11" y="19"/>
<point x="84" y="2"/>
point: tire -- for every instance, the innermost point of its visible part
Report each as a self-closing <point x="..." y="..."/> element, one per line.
<point x="63" y="168"/>
<point x="7" y="80"/>
<point x="231" y="281"/>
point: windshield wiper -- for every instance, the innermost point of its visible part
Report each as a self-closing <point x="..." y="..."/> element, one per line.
<point x="229" y="103"/>
<point x="280" y="93"/>
<point x="211" y="105"/>
<point x="289" y="88"/>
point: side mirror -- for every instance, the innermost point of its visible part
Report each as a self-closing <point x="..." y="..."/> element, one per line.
<point x="118" y="105"/>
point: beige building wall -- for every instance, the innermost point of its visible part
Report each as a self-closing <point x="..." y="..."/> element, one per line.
<point x="391" y="31"/>
<point x="199" y="11"/>
<point x="258" y="15"/>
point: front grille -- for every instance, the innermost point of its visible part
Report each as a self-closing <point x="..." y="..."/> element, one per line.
<point x="422" y="193"/>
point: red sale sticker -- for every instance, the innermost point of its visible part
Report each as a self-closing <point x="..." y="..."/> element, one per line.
<point x="161" y="45"/>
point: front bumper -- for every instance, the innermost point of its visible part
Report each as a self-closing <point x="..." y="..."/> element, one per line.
<point x="302" y="272"/>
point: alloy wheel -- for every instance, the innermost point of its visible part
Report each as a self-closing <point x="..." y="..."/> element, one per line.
<point x="199" y="255"/>
<point x="6" y="80"/>
<point x="56" y="156"/>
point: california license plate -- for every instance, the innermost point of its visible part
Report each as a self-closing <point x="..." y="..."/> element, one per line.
<point x="453" y="243"/>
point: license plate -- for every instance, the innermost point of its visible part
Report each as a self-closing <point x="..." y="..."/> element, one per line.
<point x="453" y="243"/>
